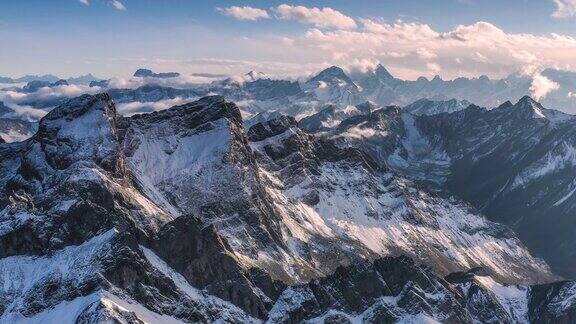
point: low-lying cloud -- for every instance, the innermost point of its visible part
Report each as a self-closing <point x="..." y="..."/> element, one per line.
<point x="33" y="106"/>
<point x="131" y="108"/>
<point x="542" y="86"/>
<point x="180" y="82"/>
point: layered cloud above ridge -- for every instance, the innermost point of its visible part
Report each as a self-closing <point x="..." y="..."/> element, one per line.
<point x="20" y="101"/>
<point x="412" y="49"/>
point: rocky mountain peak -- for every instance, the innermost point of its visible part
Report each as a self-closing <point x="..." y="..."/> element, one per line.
<point x="437" y="79"/>
<point x="367" y="107"/>
<point x="60" y="82"/>
<point x="146" y="73"/>
<point x="88" y="126"/>
<point x="382" y="73"/>
<point x="272" y="127"/>
<point x="255" y="75"/>
<point x="506" y="104"/>
<point x="82" y="105"/>
<point x="331" y="74"/>
<point x="530" y="107"/>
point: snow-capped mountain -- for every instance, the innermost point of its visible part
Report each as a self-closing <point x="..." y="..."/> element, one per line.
<point x="514" y="163"/>
<point x="183" y="216"/>
<point x="332" y="85"/>
<point x="255" y="92"/>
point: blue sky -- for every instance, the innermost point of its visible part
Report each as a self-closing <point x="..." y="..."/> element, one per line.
<point x="67" y="37"/>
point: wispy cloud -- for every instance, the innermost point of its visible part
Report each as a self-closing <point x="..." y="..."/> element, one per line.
<point x="322" y="18"/>
<point x="117" y="4"/>
<point x="244" y="13"/>
<point x="564" y="8"/>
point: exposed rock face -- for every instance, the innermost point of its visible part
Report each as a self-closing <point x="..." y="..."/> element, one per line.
<point x="181" y="215"/>
<point x="553" y="303"/>
<point x="389" y="290"/>
<point x="394" y="290"/>
<point x="208" y="262"/>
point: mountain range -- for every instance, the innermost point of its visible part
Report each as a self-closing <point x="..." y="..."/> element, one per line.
<point x="356" y="213"/>
<point x="83" y="79"/>
<point x="255" y="92"/>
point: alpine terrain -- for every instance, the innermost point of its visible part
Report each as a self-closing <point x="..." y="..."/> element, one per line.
<point x="357" y="213"/>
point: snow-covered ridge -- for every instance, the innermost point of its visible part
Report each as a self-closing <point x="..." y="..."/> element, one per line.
<point x="274" y="206"/>
<point x="336" y="197"/>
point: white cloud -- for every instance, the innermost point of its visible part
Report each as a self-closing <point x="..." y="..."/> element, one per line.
<point x="564" y="8"/>
<point x="322" y="18"/>
<point x="27" y="113"/>
<point x="433" y="67"/>
<point x="400" y="30"/>
<point x="180" y="82"/>
<point x="118" y="5"/>
<point x="425" y="54"/>
<point x="45" y="96"/>
<point x="406" y="48"/>
<point x="136" y="107"/>
<point x="542" y="86"/>
<point x="244" y="13"/>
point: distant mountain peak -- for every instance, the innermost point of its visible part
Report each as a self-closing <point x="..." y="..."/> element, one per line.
<point x="255" y="75"/>
<point x="60" y="82"/>
<point x="531" y="106"/>
<point x="331" y="74"/>
<point x="382" y="73"/>
<point x="146" y="73"/>
<point x="505" y="104"/>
